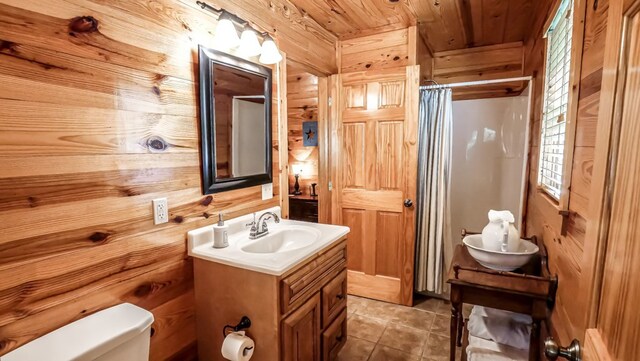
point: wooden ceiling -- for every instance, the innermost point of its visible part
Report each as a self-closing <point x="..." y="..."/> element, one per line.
<point x="445" y="24"/>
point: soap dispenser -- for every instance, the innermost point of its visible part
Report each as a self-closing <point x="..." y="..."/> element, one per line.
<point x="220" y="233"/>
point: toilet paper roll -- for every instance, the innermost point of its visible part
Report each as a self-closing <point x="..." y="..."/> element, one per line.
<point x="237" y="347"/>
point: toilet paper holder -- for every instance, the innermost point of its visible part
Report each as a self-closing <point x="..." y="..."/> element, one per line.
<point x="244" y="323"/>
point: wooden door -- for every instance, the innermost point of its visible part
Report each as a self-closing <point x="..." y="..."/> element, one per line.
<point x="375" y="173"/>
<point x="301" y="332"/>
<point x="614" y="327"/>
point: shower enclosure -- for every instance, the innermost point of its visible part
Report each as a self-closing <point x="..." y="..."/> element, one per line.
<point x="473" y="156"/>
<point x="488" y="165"/>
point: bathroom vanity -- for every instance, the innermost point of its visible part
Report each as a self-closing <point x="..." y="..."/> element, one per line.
<point x="291" y="284"/>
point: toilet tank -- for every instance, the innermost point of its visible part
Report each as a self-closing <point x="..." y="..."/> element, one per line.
<point x="118" y="333"/>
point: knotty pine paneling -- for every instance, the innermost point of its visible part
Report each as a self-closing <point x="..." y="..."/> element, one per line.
<point x="386" y="49"/>
<point x="448" y="25"/>
<point x="382" y="50"/>
<point x="99" y="116"/>
<point x="350" y="18"/>
<point x="481" y="63"/>
<point x="308" y="45"/>
<point x="302" y="104"/>
<point x="542" y="218"/>
<point x="454" y="25"/>
<point x="423" y="54"/>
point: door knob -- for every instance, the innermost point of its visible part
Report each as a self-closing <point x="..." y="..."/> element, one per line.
<point x="408" y="202"/>
<point x="553" y="351"/>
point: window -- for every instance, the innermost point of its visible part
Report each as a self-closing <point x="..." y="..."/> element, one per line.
<point x="556" y="100"/>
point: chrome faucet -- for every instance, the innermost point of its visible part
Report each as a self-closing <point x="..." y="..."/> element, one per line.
<point x="259" y="228"/>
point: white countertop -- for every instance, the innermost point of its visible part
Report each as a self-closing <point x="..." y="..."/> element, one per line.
<point x="200" y="244"/>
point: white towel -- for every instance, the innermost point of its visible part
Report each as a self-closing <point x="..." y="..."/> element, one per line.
<point x="504" y="331"/>
<point x="493" y="312"/>
<point x="483" y="350"/>
<point x="499" y="216"/>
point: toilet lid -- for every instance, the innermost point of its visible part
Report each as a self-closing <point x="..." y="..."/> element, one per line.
<point x="87" y="338"/>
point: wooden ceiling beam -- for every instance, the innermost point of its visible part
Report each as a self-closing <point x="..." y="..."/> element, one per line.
<point x="372" y="31"/>
<point x="494" y="20"/>
<point x="468" y="23"/>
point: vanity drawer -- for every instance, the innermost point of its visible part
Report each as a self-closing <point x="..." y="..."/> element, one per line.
<point x="310" y="278"/>
<point x="334" y="337"/>
<point x="334" y="298"/>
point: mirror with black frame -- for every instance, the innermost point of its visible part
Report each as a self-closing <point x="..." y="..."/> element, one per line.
<point x="235" y="122"/>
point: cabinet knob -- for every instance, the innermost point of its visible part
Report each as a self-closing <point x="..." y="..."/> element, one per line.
<point x="408" y="202"/>
<point x="339" y="296"/>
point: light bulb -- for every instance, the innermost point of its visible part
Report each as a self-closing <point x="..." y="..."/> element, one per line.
<point x="226" y="35"/>
<point x="298" y="169"/>
<point x="270" y="52"/>
<point x="249" y="44"/>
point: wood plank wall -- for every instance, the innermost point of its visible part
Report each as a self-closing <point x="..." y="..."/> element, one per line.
<point x="481" y="63"/>
<point x="543" y="220"/>
<point x="308" y="45"/>
<point x="423" y="55"/>
<point x="386" y="50"/>
<point x="374" y="52"/>
<point x="302" y="106"/>
<point x="100" y="116"/>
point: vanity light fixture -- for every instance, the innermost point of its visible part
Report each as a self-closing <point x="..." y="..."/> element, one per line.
<point x="270" y="53"/>
<point x="226" y="37"/>
<point x="249" y="43"/>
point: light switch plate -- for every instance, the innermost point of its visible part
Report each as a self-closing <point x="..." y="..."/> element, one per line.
<point x="160" y="211"/>
<point x="267" y="191"/>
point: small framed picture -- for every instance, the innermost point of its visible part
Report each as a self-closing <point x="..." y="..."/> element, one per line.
<point x="310" y="134"/>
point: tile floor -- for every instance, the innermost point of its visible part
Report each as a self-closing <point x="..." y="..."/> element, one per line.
<point x="380" y="331"/>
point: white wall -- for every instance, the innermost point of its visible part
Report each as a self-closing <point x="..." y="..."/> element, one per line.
<point x="248" y="145"/>
<point x="488" y="161"/>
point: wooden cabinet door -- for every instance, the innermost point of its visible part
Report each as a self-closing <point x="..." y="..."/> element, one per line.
<point x="614" y="327"/>
<point x="301" y="332"/>
<point x="375" y="171"/>
<point x="334" y="337"/>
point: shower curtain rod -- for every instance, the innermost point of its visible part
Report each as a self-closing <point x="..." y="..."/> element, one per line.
<point x="478" y="82"/>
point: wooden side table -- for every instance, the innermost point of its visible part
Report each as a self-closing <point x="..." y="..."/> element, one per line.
<point x="303" y="208"/>
<point x="530" y="290"/>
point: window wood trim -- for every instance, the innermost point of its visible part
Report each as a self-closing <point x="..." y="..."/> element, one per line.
<point x="577" y="42"/>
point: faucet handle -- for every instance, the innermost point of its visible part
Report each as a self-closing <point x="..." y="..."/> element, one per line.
<point x="253" y="223"/>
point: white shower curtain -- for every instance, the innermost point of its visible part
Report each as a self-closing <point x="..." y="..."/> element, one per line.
<point x="433" y="230"/>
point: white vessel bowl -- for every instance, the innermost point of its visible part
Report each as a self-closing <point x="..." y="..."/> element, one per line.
<point x="496" y="260"/>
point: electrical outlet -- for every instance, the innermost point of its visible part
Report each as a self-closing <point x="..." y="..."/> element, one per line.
<point x="160" y="211"/>
<point x="267" y="191"/>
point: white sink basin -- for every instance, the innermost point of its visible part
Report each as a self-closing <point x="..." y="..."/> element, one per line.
<point x="288" y="244"/>
<point x="499" y="261"/>
<point x="283" y="240"/>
